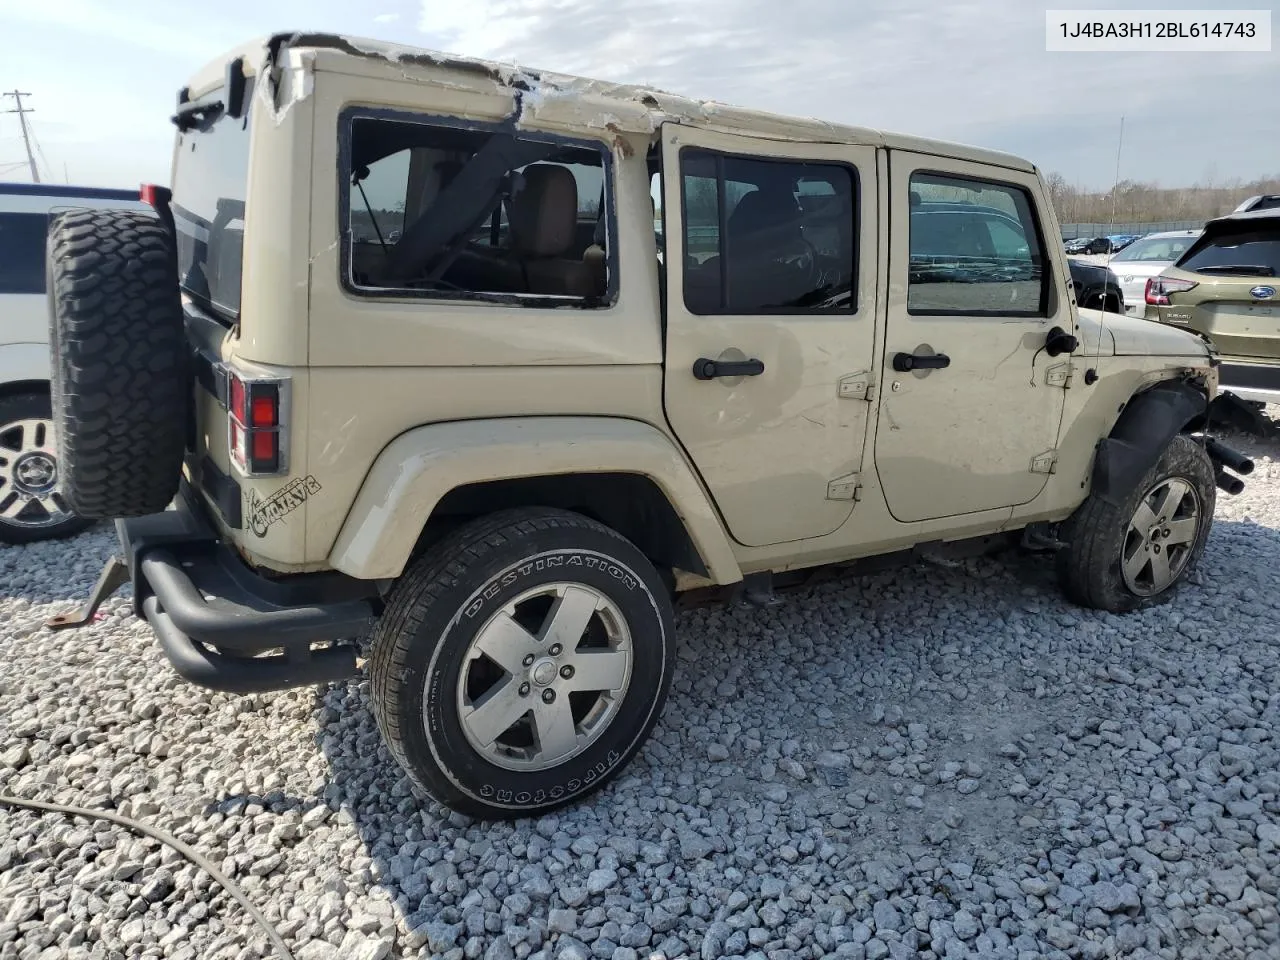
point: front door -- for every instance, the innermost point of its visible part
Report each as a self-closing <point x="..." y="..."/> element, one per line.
<point x="972" y="424"/>
<point x="770" y="259"/>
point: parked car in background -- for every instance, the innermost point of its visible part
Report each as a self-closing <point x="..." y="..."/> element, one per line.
<point x="1269" y="201"/>
<point x="1227" y="286"/>
<point x="1121" y="240"/>
<point x="1095" y="286"/>
<point x="1097" y="245"/>
<point x="1143" y="259"/>
<point x="30" y="508"/>
<point x="1077" y="245"/>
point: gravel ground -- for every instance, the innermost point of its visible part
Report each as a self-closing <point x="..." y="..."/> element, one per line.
<point x="946" y="761"/>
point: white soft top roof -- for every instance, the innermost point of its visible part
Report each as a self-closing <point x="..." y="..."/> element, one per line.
<point x="616" y="106"/>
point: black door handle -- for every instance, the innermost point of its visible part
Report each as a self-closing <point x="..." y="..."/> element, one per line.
<point x="903" y="362"/>
<point x="704" y="369"/>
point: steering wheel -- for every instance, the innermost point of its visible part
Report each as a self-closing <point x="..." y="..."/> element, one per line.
<point x="807" y="261"/>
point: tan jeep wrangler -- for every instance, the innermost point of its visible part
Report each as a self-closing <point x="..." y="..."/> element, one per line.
<point x="499" y="363"/>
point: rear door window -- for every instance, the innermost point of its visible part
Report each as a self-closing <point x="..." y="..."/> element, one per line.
<point x="767" y="235"/>
<point x="22" y="240"/>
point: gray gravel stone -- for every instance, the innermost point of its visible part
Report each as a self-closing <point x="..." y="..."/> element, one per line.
<point x="1070" y="784"/>
<point x="562" y="921"/>
<point x="886" y="916"/>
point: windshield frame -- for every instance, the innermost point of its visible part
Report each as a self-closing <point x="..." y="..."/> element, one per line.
<point x="346" y="126"/>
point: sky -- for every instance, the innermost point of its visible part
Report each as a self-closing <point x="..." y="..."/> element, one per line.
<point x="103" y="74"/>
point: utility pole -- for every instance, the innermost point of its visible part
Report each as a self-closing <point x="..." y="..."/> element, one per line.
<point x="22" y="112"/>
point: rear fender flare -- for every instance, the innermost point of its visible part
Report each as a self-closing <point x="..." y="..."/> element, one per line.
<point x="1146" y="425"/>
<point x="416" y="470"/>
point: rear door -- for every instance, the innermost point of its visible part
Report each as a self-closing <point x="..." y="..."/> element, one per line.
<point x="973" y="423"/>
<point x="771" y="317"/>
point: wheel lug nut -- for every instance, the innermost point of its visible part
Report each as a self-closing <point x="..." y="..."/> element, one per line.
<point x="566" y="671"/>
<point x="548" y="696"/>
<point x="524" y="689"/>
<point x="528" y="660"/>
<point x="555" y="650"/>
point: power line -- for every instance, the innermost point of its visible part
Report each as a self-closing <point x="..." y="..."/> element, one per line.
<point x="22" y="112"/>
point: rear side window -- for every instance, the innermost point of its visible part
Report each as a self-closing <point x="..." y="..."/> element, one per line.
<point x="767" y="236"/>
<point x="974" y="250"/>
<point x="1246" y="253"/>
<point x="210" y="180"/>
<point x="460" y="211"/>
<point x="22" y="239"/>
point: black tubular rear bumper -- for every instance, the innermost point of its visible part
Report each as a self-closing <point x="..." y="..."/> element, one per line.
<point x="226" y="627"/>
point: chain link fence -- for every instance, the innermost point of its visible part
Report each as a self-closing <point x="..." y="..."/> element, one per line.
<point x="1070" y="231"/>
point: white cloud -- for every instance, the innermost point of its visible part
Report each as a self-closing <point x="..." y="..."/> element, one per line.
<point x="965" y="70"/>
<point x="104" y="72"/>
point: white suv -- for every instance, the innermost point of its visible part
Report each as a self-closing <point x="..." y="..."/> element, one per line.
<point x="30" y="507"/>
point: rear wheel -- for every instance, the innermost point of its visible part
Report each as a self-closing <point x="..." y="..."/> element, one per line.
<point x="1133" y="555"/>
<point x="31" y="508"/>
<point x="521" y="663"/>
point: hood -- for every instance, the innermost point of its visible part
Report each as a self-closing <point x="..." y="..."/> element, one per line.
<point x="1147" y="338"/>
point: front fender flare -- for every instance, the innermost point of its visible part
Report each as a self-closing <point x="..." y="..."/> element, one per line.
<point x="1149" y="421"/>
<point x="417" y="469"/>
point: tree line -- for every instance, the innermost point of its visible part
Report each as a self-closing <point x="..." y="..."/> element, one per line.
<point x="1132" y="200"/>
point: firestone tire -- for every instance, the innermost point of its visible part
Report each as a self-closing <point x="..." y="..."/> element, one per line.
<point x="120" y="386"/>
<point x="491" y="719"/>
<point x="1100" y="537"/>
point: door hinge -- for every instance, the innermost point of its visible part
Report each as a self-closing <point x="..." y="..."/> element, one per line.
<point x="1058" y="375"/>
<point x="856" y="386"/>
<point x="1045" y="463"/>
<point x="845" y="488"/>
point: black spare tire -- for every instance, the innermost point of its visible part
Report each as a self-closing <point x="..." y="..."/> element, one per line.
<point x="120" y="362"/>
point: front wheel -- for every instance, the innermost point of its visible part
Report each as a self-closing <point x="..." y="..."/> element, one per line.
<point x="522" y="662"/>
<point x="1130" y="556"/>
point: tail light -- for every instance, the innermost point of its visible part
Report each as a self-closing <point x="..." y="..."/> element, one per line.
<point x="1159" y="288"/>
<point x="257" y="417"/>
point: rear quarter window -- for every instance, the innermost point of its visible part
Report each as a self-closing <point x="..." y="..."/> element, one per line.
<point x="22" y="239"/>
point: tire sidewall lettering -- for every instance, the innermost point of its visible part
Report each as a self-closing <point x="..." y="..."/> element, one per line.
<point x="437" y="712"/>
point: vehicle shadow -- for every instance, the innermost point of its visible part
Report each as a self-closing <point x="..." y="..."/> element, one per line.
<point x="813" y="699"/>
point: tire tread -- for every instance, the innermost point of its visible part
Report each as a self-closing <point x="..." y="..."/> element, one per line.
<point x="422" y="584"/>
<point x="120" y="386"/>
